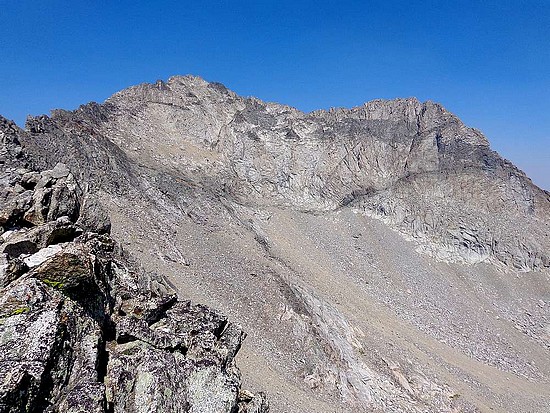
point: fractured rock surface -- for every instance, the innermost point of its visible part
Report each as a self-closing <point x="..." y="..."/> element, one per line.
<point x="82" y="329"/>
<point x="381" y="258"/>
<point x="414" y="165"/>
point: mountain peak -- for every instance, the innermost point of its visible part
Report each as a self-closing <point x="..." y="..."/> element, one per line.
<point x="368" y="251"/>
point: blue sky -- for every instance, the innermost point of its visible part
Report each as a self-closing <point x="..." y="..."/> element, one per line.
<point x="486" y="61"/>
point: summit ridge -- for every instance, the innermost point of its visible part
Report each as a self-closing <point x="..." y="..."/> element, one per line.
<point x="380" y="258"/>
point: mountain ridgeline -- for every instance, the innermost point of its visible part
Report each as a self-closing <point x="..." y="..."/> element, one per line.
<point x="412" y="164"/>
<point x="380" y="258"/>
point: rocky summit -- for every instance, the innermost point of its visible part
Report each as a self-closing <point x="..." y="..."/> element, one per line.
<point x="380" y="259"/>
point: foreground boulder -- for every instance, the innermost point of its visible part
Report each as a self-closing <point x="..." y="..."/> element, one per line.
<point x="82" y="329"/>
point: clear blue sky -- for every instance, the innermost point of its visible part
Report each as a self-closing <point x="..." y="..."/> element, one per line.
<point x="487" y="61"/>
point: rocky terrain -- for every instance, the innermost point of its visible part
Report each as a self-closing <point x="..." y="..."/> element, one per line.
<point x="381" y="258"/>
<point x="85" y="329"/>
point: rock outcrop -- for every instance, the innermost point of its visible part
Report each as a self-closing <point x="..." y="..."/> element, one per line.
<point x="83" y="328"/>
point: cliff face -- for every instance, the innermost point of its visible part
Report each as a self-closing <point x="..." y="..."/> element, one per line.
<point x="280" y="219"/>
<point x="82" y="328"/>
<point x="412" y="164"/>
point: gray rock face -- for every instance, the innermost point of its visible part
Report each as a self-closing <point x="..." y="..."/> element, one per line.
<point x="80" y="331"/>
<point x="414" y="165"/>
<point x="337" y="238"/>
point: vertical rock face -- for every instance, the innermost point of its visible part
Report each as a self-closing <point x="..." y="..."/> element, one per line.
<point x="337" y="238"/>
<point x="81" y="329"/>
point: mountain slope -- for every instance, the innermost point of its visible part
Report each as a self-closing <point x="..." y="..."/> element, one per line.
<point x="283" y="220"/>
<point x="82" y="327"/>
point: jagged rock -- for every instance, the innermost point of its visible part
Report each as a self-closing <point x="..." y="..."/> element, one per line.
<point x="250" y="403"/>
<point x="192" y="369"/>
<point x="33" y="199"/>
<point x="10" y="270"/>
<point x="30" y="179"/>
<point x="93" y="216"/>
<point x="54" y="364"/>
<point x="140" y="295"/>
<point x="30" y="241"/>
<point x="4" y="264"/>
<point x="17" y="245"/>
<point x="187" y="343"/>
<point x="11" y="152"/>
<point x="60" y="170"/>
<point x="132" y="328"/>
<point x="38" y="214"/>
<point x="30" y="336"/>
<point x="63" y="203"/>
<point x="42" y="255"/>
<point x="81" y="332"/>
<point x="83" y="390"/>
<point x="142" y="378"/>
<point x="14" y="209"/>
<point x="68" y="269"/>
